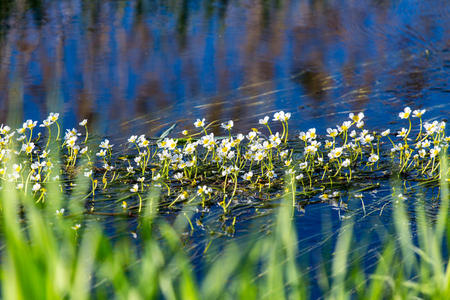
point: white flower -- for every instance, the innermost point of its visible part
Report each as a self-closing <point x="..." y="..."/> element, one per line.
<point x="76" y="227"/>
<point x="251" y="135"/>
<point x="108" y="167"/>
<point x="271" y="174"/>
<point x="386" y="132"/>
<point x="88" y="173"/>
<point x="70" y="133"/>
<point x="4" y="129"/>
<point x="190" y="148"/>
<point x="264" y="120"/>
<point x="356" y="118"/>
<point x="302" y="136"/>
<point x="367" y="139"/>
<point x="405" y="113"/>
<point x="168" y="144"/>
<point x="28" y="147"/>
<point x="328" y="144"/>
<point x="422" y="153"/>
<point x="36" y="187"/>
<point x="101" y="153"/>
<point x="227" y="125"/>
<point x="248" y="175"/>
<point x="137" y="159"/>
<point x="336" y="152"/>
<point x="431" y="128"/>
<point x="17" y="168"/>
<point x="426" y="144"/>
<point x="281" y="116"/>
<point x="172" y="144"/>
<point x="46" y="123"/>
<point x="226" y="171"/>
<point x="260" y="155"/>
<point x="418" y="113"/>
<point x="311" y="134"/>
<point x="345" y="126"/>
<point x="332" y="132"/>
<point x="299" y="176"/>
<point x="324" y="196"/>
<point x="204" y="190"/>
<point x="60" y="212"/>
<point x="143" y="143"/>
<point x="208" y="141"/>
<point x="71" y="141"/>
<point x="83" y="123"/>
<point x="275" y="139"/>
<point x="132" y="139"/>
<point x="402" y="132"/>
<point x="135" y="188"/>
<point x="373" y="158"/>
<point x="199" y="123"/>
<point x="164" y="155"/>
<point x="278" y="116"/>
<point x="311" y="149"/>
<point x="346" y="163"/>
<point x="53" y="117"/>
<point x="30" y="124"/>
<point x="105" y="144"/>
<point x="290" y="172"/>
<point x="435" y="151"/>
<point x="284" y="154"/>
<point x="35" y="177"/>
<point x="303" y="165"/>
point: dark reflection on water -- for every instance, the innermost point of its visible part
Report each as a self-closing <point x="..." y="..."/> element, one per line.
<point x="141" y="65"/>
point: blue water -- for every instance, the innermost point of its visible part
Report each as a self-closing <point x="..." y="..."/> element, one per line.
<point x="140" y="66"/>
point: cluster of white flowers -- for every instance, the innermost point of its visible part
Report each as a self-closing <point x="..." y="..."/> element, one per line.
<point x="256" y="158"/>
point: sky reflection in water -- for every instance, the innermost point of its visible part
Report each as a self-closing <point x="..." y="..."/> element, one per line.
<point x="142" y="65"/>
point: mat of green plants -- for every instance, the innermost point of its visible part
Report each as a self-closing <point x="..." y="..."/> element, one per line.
<point x="205" y="216"/>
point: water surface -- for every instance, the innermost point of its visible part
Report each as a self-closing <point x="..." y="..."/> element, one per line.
<point x="140" y="66"/>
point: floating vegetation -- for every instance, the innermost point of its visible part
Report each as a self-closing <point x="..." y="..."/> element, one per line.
<point x="203" y="169"/>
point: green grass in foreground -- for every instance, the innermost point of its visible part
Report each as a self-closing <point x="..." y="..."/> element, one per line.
<point x="44" y="258"/>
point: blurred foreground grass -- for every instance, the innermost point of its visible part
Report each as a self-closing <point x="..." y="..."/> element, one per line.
<point x="43" y="257"/>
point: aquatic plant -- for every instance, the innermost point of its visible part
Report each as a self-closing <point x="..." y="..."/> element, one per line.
<point x="208" y="169"/>
<point x="203" y="168"/>
<point x="44" y="257"/>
